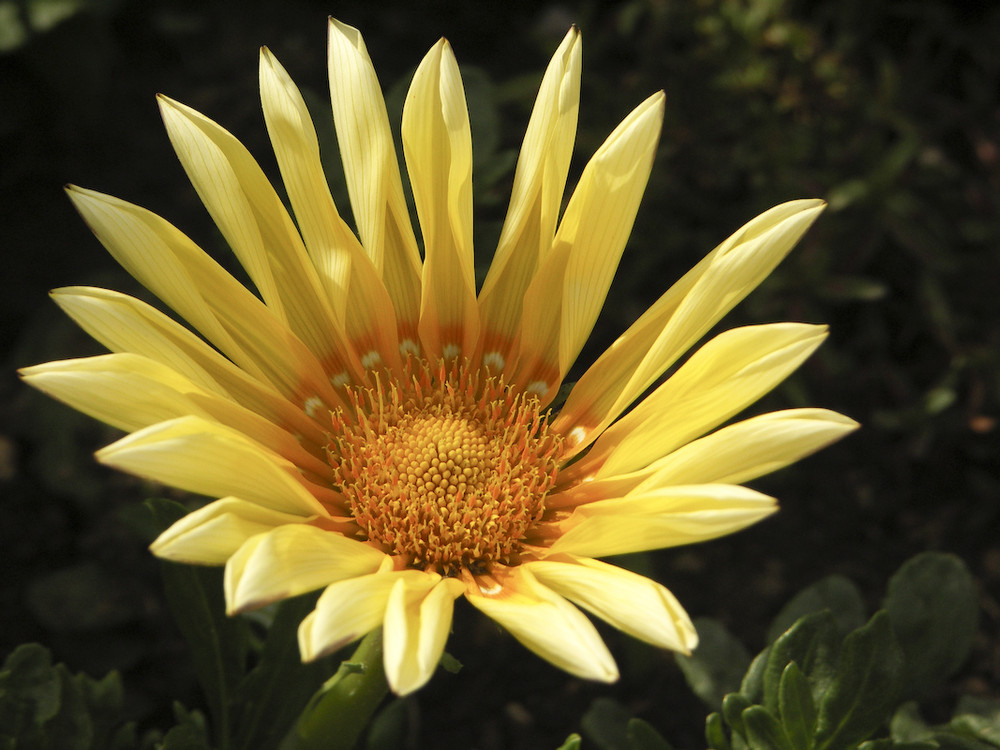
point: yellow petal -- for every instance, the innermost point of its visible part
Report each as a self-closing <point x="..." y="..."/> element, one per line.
<point x="350" y="609"/>
<point x="560" y="310"/>
<point x="213" y="533"/>
<point x="750" y="449"/>
<point x="372" y="172"/>
<point x="290" y="560"/>
<point x="417" y="622"/>
<point x="535" y="201"/>
<point x="125" y="324"/>
<point x="131" y="392"/>
<point x="343" y="266"/>
<point x="667" y="517"/>
<point x="255" y="224"/>
<point x="437" y="142"/>
<point x="632" y="603"/>
<point x="679" y="318"/>
<point x="203" y="457"/>
<point x="546" y="624"/>
<point x="726" y="375"/>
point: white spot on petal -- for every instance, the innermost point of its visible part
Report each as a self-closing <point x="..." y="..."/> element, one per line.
<point x="496" y="588"/>
<point x="340" y="379"/>
<point x="494" y="360"/>
<point x="312" y="406"/>
<point x="371" y="359"/>
<point x="450" y="351"/>
<point x="538" y="387"/>
<point x="409" y="346"/>
<point x="576" y="435"/>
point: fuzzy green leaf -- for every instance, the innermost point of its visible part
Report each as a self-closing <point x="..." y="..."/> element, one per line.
<point x="715" y="732"/>
<point x="764" y="732"/>
<point x="865" y="689"/>
<point x="641" y="736"/>
<point x="812" y="643"/>
<point x="796" y="707"/>
<point x="932" y="604"/>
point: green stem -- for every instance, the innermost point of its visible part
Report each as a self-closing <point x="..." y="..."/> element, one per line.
<point x="341" y="709"/>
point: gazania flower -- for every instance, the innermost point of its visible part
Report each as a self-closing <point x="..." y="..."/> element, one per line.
<point x="373" y="426"/>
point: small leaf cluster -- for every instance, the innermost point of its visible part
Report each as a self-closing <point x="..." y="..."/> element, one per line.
<point x="817" y="687"/>
<point x="830" y="680"/>
<point x="47" y="707"/>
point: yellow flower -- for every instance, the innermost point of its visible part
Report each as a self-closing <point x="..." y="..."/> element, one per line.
<point x="373" y="426"/>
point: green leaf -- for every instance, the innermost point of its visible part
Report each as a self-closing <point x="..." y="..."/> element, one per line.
<point x="29" y="686"/>
<point x="752" y="685"/>
<point x="217" y="643"/>
<point x="606" y="724"/>
<point x="865" y="689"/>
<point x="641" y="736"/>
<point x="977" y="718"/>
<point x="796" y="707"/>
<point x="812" y="643"/>
<point x="71" y="728"/>
<point x="190" y="733"/>
<point x="834" y="593"/>
<point x="907" y="725"/>
<point x="276" y="690"/>
<point x="716" y="666"/>
<point x="764" y="732"/>
<point x="733" y="706"/>
<point x="932" y="604"/>
<point x="715" y="733"/>
<point x="572" y="743"/>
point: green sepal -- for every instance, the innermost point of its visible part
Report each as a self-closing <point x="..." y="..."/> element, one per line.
<point x="764" y="732"/>
<point x="796" y="707"/>
<point x="931" y="601"/>
<point x="865" y="689"/>
<point x="715" y="732"/>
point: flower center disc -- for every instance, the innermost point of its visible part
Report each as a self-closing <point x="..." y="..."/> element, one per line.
<point x="446" y="471"/>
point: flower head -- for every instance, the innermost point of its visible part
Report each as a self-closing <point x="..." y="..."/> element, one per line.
<point x="374" y="426"/>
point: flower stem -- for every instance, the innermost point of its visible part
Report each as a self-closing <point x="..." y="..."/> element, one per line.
<point x="341" y="709"/>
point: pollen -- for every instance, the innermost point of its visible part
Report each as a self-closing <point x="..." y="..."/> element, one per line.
<point x="446" y="470"/>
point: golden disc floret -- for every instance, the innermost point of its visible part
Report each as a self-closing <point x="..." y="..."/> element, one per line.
<point x="445" y="469"/>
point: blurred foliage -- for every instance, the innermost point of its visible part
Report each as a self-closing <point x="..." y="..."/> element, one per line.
<point x="887" y="110"/>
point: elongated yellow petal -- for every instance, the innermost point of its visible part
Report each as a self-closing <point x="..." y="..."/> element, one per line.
<point x="130" y="392"/>
<point x="350" y="609"/>
<point x="726" y="375"/>
<point x="733" y="455"/>
<point x="125" y="324"/>
<point x="213" y="533"/>
<point x="546" y="624"/>
<point x="535" y="200"/>
<point x="437" y="143"/>
<point x="344" y="267"/>
<point x="594" y="228"/>
<point x="415" y="630"/>
<point x="750" y="449"/>
<point x="372" y="172"/>
<point x="290" y="560"/>
<point x="679" y="318"/>
<point x="668" y="517"/>
<point x="168" y="263"/>
<point x="632" y="603"/>
<point x="255" y="224"/>
<point x="204" y="457"/>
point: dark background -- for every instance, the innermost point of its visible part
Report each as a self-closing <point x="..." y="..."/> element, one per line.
<point x="887" y="110"/>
